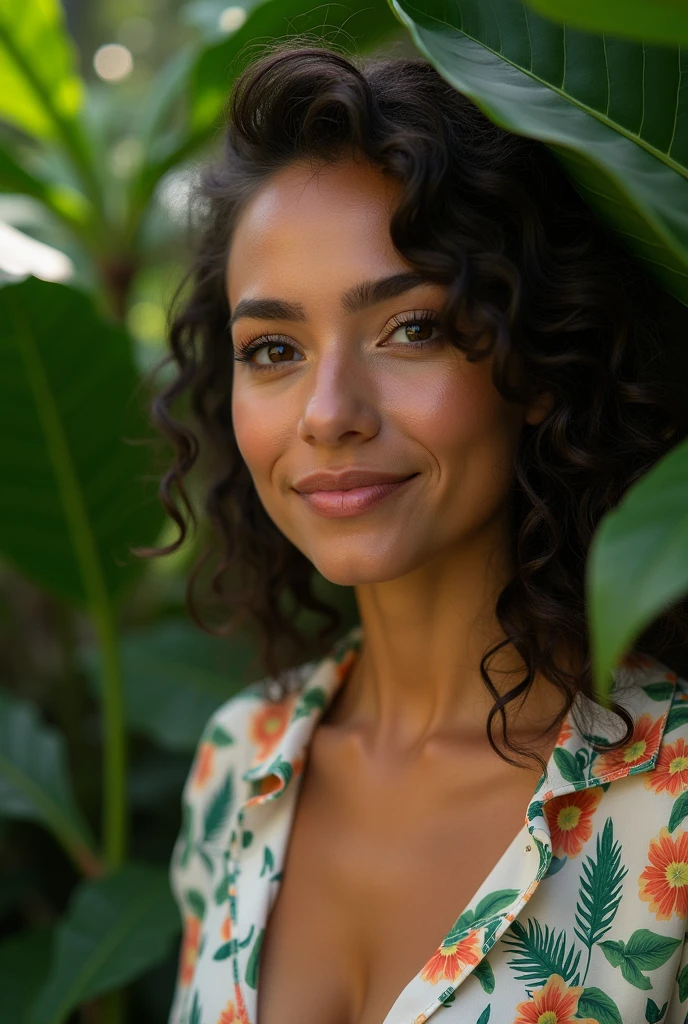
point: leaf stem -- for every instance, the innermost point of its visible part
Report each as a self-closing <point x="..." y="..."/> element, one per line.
<point x="587" y="966"/>
<point x="114" y="739"/>
<point x="98" y="600"/>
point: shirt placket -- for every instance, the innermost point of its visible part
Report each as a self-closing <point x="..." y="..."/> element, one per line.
<point x="523" y="865"/>
<point x="268" y="821"/>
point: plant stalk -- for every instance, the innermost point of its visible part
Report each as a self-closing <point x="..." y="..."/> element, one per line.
<point x="114" y="809"/>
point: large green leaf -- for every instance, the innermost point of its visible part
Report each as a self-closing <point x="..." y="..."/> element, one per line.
<point x="73" y="500"/>
<point x="115" y="930"/>
<point x="662" y="21"/>
<point x="175" y="676"/>
<point x="64" y="202"/>
<point x="38" y="85"/>
<point x="352" y="25"/>
<point x="638" y="562"/>
<point x="34" y="779"/>
<point x="615" y="112"/>
<point x="24" y="962"/>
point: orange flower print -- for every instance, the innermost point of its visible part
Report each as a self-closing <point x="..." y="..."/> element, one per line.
<point x="449" y="960"/>
<point x="205" y="763"/>
<point x="565" y="733"/>
<point x="229" y="1014"/>
<point x="570" y="820"/>
<point x="226" y="929"/>
<point x="641" y="746"/>
<point x="671" y="771"/>
<point x="342" y="669"/>
<point x="268" y="724"/>
<point x="664" y="882"/>
<point x="189" y="951"/>
<point x="556" y="1003"/>
<point x="234" y="1012"/>
<point x="265" y="786"/>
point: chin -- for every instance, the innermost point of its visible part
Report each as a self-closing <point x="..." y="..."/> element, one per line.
<point x="355" y="568"/>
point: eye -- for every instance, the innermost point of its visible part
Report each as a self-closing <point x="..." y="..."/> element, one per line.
<point x="267" y="353"/>
<point x="276" y="352"/>
<point x="418" y="331"/>
<point x="413" y="329"/>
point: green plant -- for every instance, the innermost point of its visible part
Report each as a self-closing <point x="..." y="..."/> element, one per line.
<point x="77" y="487"/>
<point x="80" y="491"/>
<point x="613" y="112"/>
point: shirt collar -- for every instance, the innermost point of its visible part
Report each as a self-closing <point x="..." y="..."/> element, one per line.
<point x="642" y="685"/>
<point x="305" y="709"/>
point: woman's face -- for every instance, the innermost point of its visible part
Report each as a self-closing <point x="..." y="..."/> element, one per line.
<point x="348" y="372"/>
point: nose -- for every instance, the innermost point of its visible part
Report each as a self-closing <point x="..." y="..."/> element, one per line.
<point x="340" y="403"/>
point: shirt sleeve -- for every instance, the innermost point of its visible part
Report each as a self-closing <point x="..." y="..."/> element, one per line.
<point x="207" y="803"/>
<point x="678" y="1002"/>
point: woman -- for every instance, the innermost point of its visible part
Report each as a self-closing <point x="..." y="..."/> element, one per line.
<point x="422" y="369"/>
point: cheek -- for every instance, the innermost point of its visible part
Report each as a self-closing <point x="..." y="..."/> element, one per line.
<point x="460" y="417"/>
<point x="261" y="434"/>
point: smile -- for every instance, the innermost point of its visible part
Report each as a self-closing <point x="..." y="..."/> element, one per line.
<point x="352" y="502"/>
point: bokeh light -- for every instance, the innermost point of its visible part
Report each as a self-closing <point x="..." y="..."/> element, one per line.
<point x="113" y="62"/>
<point x="231" y="19"/>
<point x="147" y="322"/>
<point x="21" y="255"/>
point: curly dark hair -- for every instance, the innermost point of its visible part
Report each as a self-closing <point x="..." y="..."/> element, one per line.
<point x="551" y="294"/>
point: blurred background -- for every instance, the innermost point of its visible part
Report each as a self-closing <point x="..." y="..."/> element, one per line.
<point x="107" y="109"/>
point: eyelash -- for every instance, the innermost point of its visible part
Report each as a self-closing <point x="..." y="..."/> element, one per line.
<point x="252" y="345"/>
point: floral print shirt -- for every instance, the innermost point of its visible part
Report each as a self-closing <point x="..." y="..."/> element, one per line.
<point x="582" y="920"/>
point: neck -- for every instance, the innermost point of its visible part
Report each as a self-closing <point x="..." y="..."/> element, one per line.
<point x="418" y="676"/>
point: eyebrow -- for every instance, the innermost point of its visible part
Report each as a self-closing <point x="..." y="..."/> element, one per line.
<point x="359" y="296"/>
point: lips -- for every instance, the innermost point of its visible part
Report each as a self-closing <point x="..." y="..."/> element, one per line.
<point x="349" y="493"/>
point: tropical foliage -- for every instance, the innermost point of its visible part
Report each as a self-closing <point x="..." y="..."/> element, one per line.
<point x="99" y="715"/>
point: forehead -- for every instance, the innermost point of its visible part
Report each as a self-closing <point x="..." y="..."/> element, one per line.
<point x="324" y="225"/>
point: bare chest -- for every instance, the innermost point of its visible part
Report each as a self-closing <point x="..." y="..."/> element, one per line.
<point x="377" y="871"/>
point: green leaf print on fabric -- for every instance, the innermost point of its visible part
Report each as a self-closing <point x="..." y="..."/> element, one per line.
<point x="599" y="895"/>
<point x="484" y="1016"/>
<point x="596" y="1004"/>
<point x="644" y="951"/>
<point x="222" y="888"/>
<point x="539" y="953"/>
<point x="195" y="1017"/>
<point x="683" y="984"/>
<point x="282" y="769"/>
<point x="485" y="976"/>
<point x="546" y="859"/>
<point x="678" y="811"/>
<point x="659" y="691"/>
<point x="268" y="861"/>
<point x="678" y="716"/>
<point x="653" y="1013"/>
<point x="488" y="907"/>
<point x="252" y="965"/>
<point x="224" y="951"/>
<point x="218" y="808"/>
<point x="569" y="767"/>
<point x="556" y="864"/>
<point x="195" y="902"/>
<point x="220" y="737"/>
<point x="310" y="700"/>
